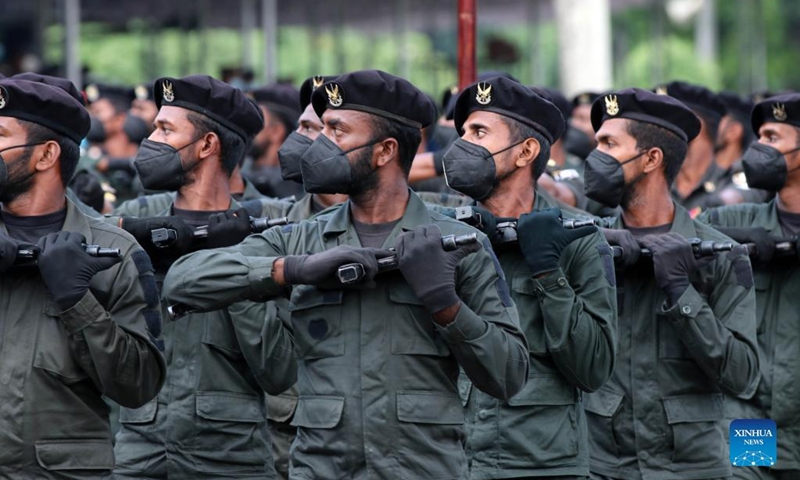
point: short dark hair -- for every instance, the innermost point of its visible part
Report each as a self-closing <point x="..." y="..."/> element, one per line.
<point x="649" y="136"/>
<point x="70" y="151"/>
<point x="232" y="146"/>
<point x="408" y="138"/>
<point x="289" y="121"/>
<point x="519" y="132"/>
<point x="712" y="124"/>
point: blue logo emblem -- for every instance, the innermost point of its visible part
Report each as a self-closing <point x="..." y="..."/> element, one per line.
<point x="754" y="443"/>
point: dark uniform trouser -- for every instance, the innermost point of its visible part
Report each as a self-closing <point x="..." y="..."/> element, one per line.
<point x="282" y="437"/>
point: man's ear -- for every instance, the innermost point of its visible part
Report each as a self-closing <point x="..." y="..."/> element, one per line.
<point x="528" y="153"/>
<point x="386" y="151"/>
<point x="209" y="146"/>
<point x="654" y="160"/>
<point x="47" y="156"/>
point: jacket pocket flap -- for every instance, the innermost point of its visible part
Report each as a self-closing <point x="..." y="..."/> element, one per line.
<point x="429" y="407"/>
<point x="229" y="407"/>
<point x="602" y="402"/>
<point x="75" y="455"/>
<point x="280" y="408"/>
<point x="144" y="414"/>
<point x="694" y="408"/>
<point x="544" y="390"/>
<point x="307" y="296"/>
<point x="404" y="294"/>
<point x="318" y="411"/>
<point x="523" y="284"/>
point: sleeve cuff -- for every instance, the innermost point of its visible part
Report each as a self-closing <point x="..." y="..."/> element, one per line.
<point x="467" y="326"/>
<point x="82" y="314"/>
<point x="550" y="281"/>
<point x="687" y="306"/>
<point x="259" y="277"/>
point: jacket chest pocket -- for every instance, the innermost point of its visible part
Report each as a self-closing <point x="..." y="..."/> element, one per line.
<point x="696" y="422"/>
<point x="317" y="322"/>
<point x="603" y="407"/>
<point x="669" y="344"/>
<point x="53" y="354"/>
<point x="526" y="297"/>
<point x="413" y="330"/>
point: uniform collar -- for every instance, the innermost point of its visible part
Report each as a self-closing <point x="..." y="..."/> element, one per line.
<point x="168" y="211"/>
<point x="416" y="214"/>
<point x="75" y="221"/>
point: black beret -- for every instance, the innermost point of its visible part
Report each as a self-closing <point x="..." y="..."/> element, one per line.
<point x="556" y="98"/>
<point x="698" y="98"/>
<point x="58" y="82"/>
<point x="645" y="106"/>
<point x="514" y="100"/>
<point x="213" y="98"/>
<point x="308" y="87"/>
<point x="736" y="106"/>
<point x="279" y="98"/>
<point x="96" y="91"/>
<point x="585" y="98"/>
<point x="378" y="93"/>
<point x="143" y="91"/>
<point x="450" y="106"/>
<point x="45" y="105"/>
<point x="780" y="108"/>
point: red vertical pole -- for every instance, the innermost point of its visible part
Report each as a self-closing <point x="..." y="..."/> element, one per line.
<point x="467" y="16"/>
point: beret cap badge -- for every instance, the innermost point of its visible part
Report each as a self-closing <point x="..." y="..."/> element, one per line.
<point x="317" y="82"/>
<point x="612" y="107"/>
<point x="92" y="93"/>
<point x="484" y="96"/>
<point x="334" y="96"/>
<point x="779" y="112"/>
<point x="168" y="94"/>
<point x="3" y="97"/>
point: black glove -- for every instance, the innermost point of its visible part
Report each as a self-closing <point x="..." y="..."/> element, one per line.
<point x="625" y="240"/>
<point x="673" y="261"/>
<point x="320" y="269"/>
<point x="8" y="252"/>
<point x="428" y="268"/>
<point x="228" y="228"/>
<point x="141" y="229"/>
<point x="765" y="244"/>
<point x="67" y="269"/>
<point x="542" y="238"/>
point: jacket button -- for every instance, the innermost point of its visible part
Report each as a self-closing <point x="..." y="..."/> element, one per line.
<point x="483" y="414"/>
<point x="562" y="282"/>
<point x="686" y="310"/>
<point x="179" y="363"/>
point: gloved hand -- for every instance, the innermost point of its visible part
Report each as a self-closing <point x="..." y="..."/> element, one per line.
<point x="630" y="246"/>
<point x="66" y="268"/>
<point x="428" y="268"/>
<point x="673" y="261"/>
<point x="8" y="252"/>
<point x="765" y="244"/>
<point x="542" y="239"/>
<point x="228" y="228"/>
<point x="141" y="229"/>
<point x="320" y="269"/>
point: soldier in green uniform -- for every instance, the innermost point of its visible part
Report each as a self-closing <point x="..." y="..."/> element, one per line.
<point x="773" y="164"/>
<point x="562" y="282"/>
<point x="209" y="420"/>
<point x="378" y="363"/>
<point x="687" y="333"/>
<point x="700" y="177"/>
<point x="73" y="327"/>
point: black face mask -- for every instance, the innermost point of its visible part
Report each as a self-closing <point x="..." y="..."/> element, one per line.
<point x="325" y="167"/>
<point x="14" y="179"/>
<point x="578" y="143"/>
<point x="604" y="179"/>
<point x="765" y="167"/>
<point x="289" y="156"/>
<point x="160" y="166"/>
<point x="470" y="168"/>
